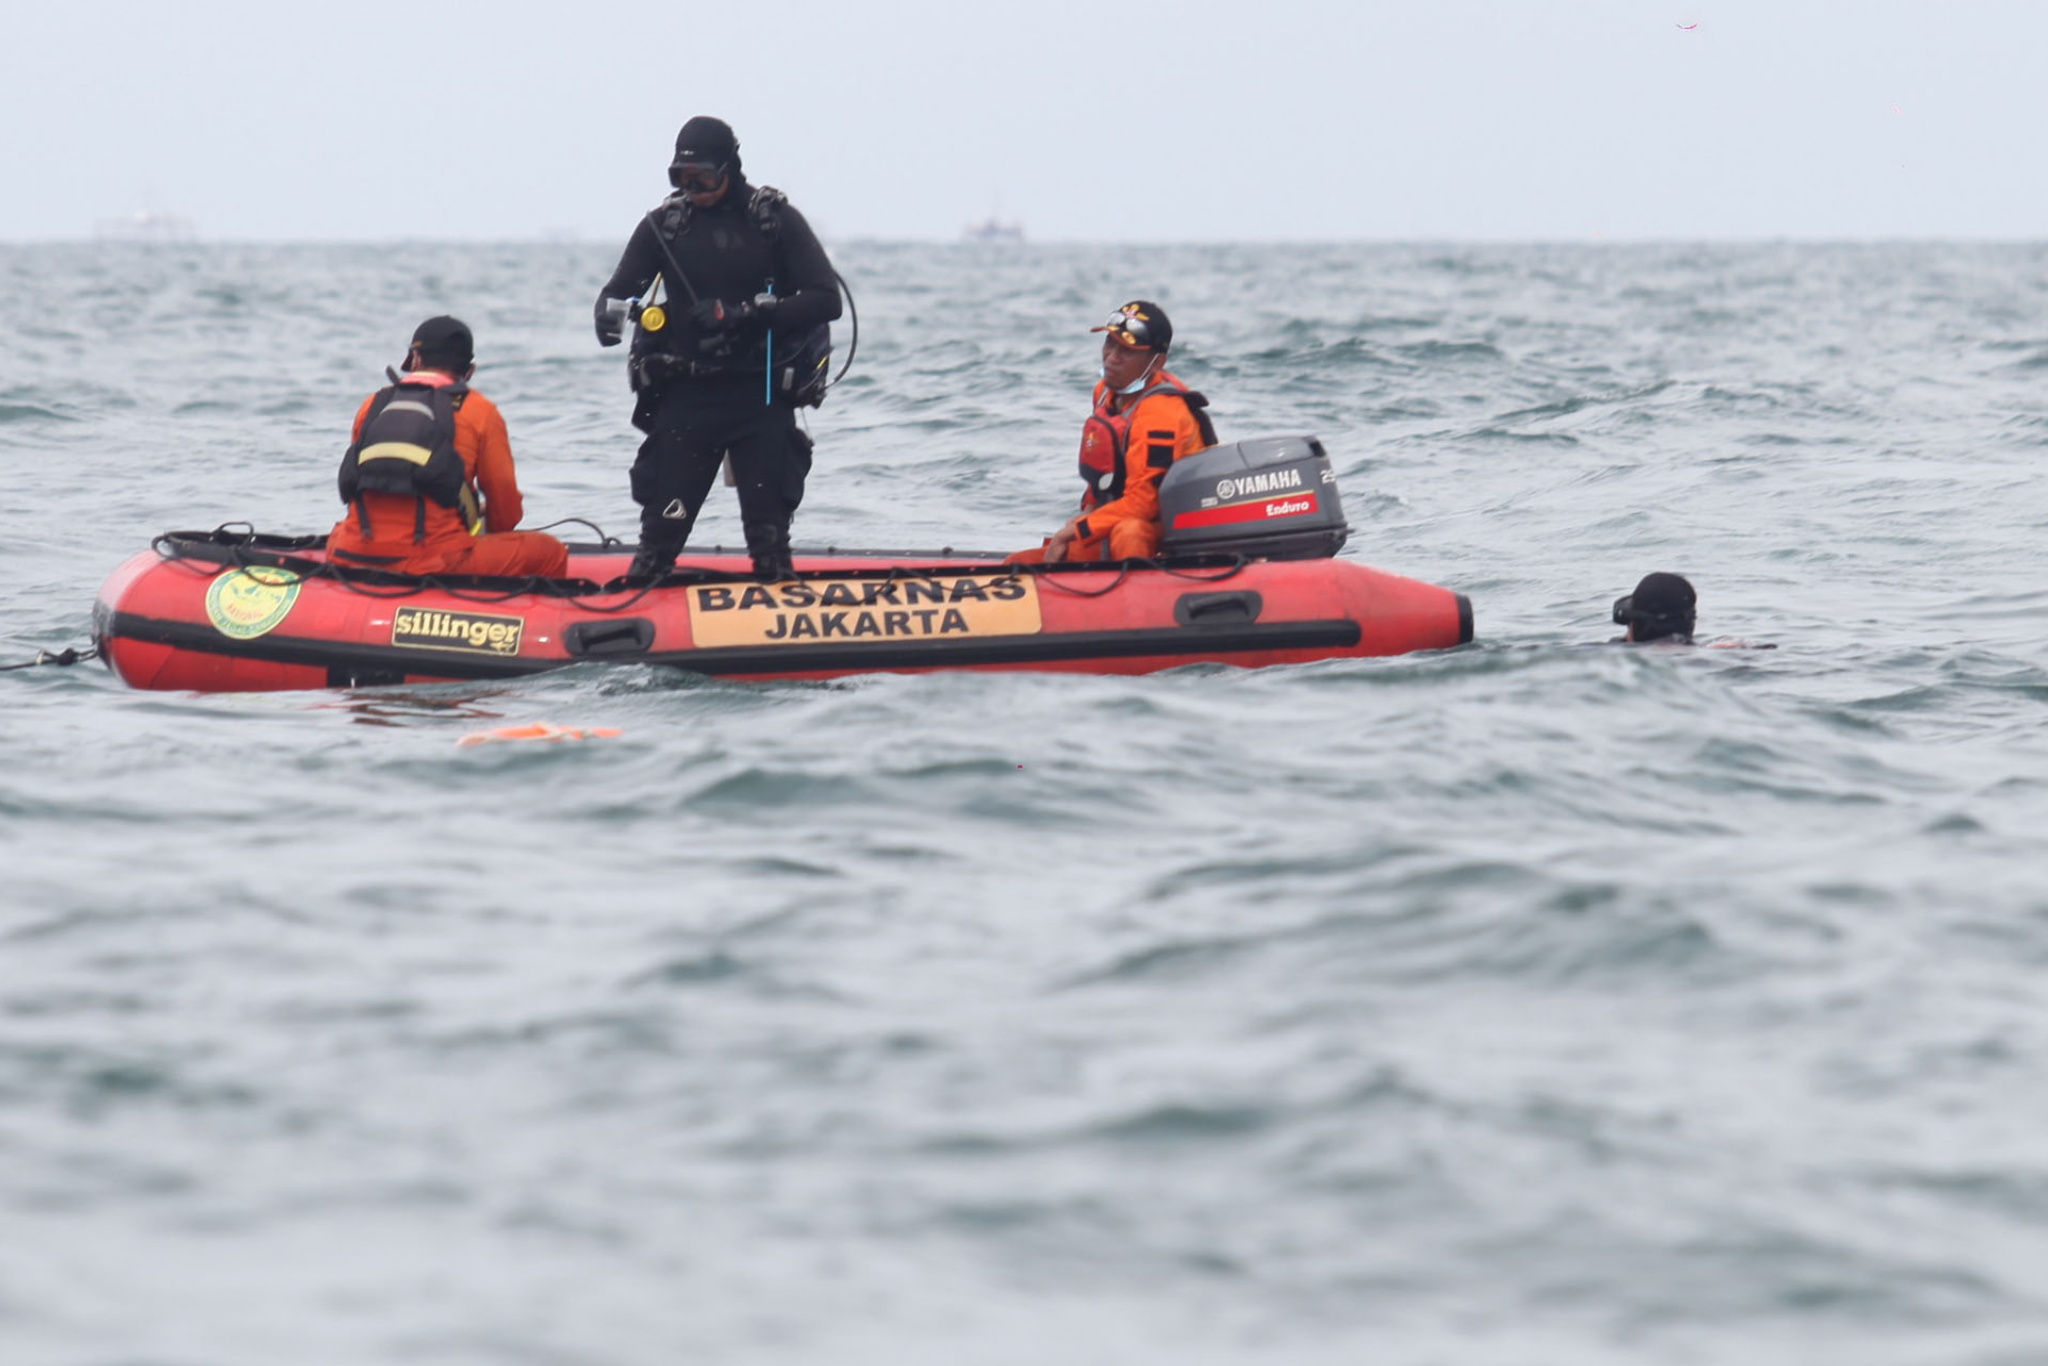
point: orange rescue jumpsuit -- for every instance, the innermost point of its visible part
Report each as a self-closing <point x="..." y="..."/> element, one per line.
<point x="449" y="547"/>
<point x="1125" y="452"/>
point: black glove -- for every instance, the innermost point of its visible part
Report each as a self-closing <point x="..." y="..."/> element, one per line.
<point x="713" y="316"/>
<point x="610" y="332"/>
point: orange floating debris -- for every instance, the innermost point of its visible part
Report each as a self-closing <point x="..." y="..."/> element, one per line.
<point x="538" y="730"/>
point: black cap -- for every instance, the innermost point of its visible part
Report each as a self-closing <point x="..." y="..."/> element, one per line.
<point x="443" y="341"/>
<point x="705" y="141"/>
<point x="1662" y="605"/>
<point x="1141" y="324"/>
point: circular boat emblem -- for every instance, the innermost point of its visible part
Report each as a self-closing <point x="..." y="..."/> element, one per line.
<point x="245" y="603"/>
<point x="1225" y="487"/>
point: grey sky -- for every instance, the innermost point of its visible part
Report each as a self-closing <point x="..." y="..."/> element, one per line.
<point x="1109" y="120"/>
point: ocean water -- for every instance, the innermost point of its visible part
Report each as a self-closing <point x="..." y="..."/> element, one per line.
<point x="1531" y="1002"/>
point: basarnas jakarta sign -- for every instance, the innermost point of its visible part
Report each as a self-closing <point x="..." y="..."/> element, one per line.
<point x="864" y="611"/>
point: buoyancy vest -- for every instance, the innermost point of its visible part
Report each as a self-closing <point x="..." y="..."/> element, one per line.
<point x="803" y="364"/>
<point x="407" y="447"/>
<point x="1106" y="436"/>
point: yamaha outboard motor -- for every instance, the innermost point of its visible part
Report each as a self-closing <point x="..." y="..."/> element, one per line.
<point x="1271" y="496"/>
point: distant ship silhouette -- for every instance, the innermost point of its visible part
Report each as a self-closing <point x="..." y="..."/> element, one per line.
<point x="993" y="229"/>
<point x="146" y="226"/>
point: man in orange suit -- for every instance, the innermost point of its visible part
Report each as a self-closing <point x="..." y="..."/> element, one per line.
<point x="1144" y="419"/>
<point x="428" y="476"/>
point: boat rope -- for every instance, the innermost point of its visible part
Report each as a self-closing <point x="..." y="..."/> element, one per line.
<point x="236" y="545"/>
<point x="607" y="541"/>
<point x="66" y="656"/>
<point x="237" y="549"/>
<point x="1048" y="574"/>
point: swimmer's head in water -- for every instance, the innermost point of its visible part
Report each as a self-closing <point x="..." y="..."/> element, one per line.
<point x="1661" y="608"/>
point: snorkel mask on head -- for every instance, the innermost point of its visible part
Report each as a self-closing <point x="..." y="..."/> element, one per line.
<point x="697" y="177"/>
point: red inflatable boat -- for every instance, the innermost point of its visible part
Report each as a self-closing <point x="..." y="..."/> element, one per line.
<point x="240" y="612"/>
<point x="1246" y="575"/>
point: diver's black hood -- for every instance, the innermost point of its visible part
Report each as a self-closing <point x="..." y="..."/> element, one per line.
<point x="705" y="139"/>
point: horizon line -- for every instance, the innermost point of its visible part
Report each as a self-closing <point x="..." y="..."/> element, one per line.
<point x="869" y="239"/>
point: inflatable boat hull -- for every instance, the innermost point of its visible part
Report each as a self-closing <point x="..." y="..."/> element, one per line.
<point x="266" y="613"/>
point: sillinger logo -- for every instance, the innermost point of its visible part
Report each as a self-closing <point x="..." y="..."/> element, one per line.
<point x="428" y="628"/>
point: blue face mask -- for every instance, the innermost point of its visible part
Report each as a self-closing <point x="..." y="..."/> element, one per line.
<point x="1102" y="373"/>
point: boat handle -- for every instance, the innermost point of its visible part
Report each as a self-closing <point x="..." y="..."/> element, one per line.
<point x="625" y="636"/>
<point x="1217" y="609"/>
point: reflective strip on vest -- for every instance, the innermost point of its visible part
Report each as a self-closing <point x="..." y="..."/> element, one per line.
<point x="394" y="450"/>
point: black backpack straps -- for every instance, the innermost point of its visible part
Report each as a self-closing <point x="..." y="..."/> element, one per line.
<point x="765" y="208"/>
<point x="346" y="480"/>
<point x="765" y="205"/>
<point x="378" y="403"/>
<point x="672" y="224"/>
<point x="674" y="219"/>
<point x="444" y="399"/>
<point x="1198" y="404"/>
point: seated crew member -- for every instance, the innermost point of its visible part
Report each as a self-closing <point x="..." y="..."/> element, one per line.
<point x="1144" y="420"/>
<point x="1660" y="610"/>
<point x="428" y="475"/>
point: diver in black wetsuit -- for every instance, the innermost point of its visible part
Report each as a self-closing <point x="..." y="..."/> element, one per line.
<point x="740" y="277"/>
<point x="1663" y="611"/>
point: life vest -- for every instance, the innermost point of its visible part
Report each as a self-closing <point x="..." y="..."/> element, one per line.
<point x="407" y="447"/>
<point x="1106" y="435"/>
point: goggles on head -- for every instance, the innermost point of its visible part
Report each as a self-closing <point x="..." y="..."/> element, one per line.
<point x="1626" y="613"/>
<point x="698" y="177"/>
<point x="1128" y="326"/>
